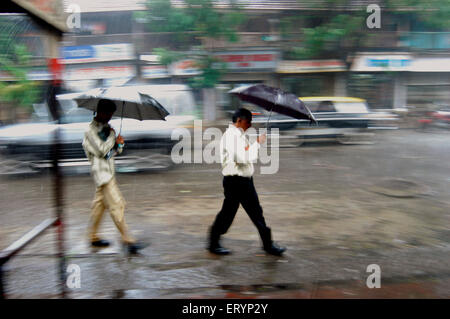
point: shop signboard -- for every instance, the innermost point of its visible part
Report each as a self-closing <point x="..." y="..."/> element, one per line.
<point x="375" y="63"/>
<point x="97" y="53"/>
<point x="154" y="71"/>
<point x="371" y="63"/>
<point x="184" y="67"/>
<point x="311" y="66"/>
<point x="249" y="60"/>
<point x="99" y="72"/>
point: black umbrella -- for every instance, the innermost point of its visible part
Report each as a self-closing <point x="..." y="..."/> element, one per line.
<point x="131" y="102"/>
<point x="274" y="99"/>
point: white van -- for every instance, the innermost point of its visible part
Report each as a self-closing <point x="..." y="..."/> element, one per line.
<point x="148" y="143"/>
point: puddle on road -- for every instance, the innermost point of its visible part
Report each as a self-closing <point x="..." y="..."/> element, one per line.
<point x="400" y="188"/>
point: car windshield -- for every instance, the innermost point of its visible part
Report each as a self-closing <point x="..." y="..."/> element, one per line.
<point x="77" y="115"/>
<point x="322" y="106"/>
<point x="72" y="113"/>
<point x="351" y="107"/>
<point x="176" y="102"/>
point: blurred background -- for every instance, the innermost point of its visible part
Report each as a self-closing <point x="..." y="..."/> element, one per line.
<point x="304" y="47"/>
<point x="369" y="181"/>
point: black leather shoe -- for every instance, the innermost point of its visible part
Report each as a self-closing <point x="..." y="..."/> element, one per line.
<point x="275" y="250"/>
<point x="135" y="247"/>
<point x="218" y="250"/>
<point x="100" y="243"/>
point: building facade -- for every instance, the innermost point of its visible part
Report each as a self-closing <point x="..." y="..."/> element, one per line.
<point x="395" y="66"/>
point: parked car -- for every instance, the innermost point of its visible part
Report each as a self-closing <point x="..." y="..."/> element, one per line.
<point x="27" y="148"/>
<point x="346" y="119"/>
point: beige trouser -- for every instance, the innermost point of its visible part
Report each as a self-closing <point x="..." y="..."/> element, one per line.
<point x="108" y="196"/>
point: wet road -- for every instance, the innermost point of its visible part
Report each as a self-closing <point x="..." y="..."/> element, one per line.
<point x="337" y="208"/>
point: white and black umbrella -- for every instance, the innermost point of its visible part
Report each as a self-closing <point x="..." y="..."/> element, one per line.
<point x="130" y="102"/>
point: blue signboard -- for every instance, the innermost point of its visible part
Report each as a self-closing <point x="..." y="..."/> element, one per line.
<point x="78" y="52"/>
<point x="386" y="63"/>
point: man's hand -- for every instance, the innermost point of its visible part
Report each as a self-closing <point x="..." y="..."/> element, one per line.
<point x="262" y="138"/>
<point x="120" y="140"/>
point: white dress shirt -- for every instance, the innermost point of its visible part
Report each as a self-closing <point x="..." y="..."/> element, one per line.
<point x="235" y="158"/>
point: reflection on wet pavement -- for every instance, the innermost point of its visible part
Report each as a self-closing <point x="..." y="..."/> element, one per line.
<point x="322" y="205"/>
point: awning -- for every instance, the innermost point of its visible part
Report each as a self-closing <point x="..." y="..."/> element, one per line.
<point x="49" y="11"/>
<point x="431" y="65"/>
<point x="406" y="63"/>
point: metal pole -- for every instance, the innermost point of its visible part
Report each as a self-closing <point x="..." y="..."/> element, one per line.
<point x="58" y="187"/>
<point x="58" y="193"/>
<point x="121" y="118"/>
<point x="268" y="119"/>
<point x="2" y="291"/>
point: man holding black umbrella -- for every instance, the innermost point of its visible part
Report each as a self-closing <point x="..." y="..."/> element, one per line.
<point x="237" y="158"/>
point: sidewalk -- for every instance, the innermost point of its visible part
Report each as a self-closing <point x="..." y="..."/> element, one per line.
<point x="247" y="273"/>
<point x="324" y="205"/>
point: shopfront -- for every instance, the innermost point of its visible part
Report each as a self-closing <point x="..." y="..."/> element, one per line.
<point x="312" y="77"/>
<point x="428" y="83"/>
<point x="396" y="81"/>
<point x="380" y="79"/>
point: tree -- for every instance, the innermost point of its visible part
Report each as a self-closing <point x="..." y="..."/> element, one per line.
<point x="433" y="14"/>
<point x="340" y="30"/>
<point x="15" y="61"/>
<point x="197" y="20"/>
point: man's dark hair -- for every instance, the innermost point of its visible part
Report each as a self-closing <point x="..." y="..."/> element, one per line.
<point x="242" y="114"/>
<point x="106" y="106"/>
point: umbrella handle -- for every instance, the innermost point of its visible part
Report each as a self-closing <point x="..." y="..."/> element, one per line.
<point x="312" y="121"/>
<point x="121" y="117"/>
<point x="268" y="119"/>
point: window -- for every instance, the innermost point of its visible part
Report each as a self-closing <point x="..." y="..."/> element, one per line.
<point x="325" y="106"/>
<point x="351" y="107"/>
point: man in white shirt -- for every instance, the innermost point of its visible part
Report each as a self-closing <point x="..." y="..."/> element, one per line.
<point x="237" y="158"/>
<point x="100" y="145"/>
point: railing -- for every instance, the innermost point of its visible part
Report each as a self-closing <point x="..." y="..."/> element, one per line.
<point x="147" y="41"/>
<point x="21" y="243"/>
<point x="143" y="41"/>
<point x="246" y="39"/>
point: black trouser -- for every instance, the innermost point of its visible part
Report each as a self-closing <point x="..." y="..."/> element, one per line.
<point x="240" y="190"/>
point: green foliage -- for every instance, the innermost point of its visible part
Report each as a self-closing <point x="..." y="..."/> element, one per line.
<point x="198" y="19"/>
<point x="162" y="17"/>
<point x="199" y="16"/>
<point x="167" y="57"/>
<point x="433" y="14"/>
<point x="326" y="39"/>
<point x="211" y="72"/>
<point x="15" y="61"/>
<point x="338" y="33"/>
<point x="21" y="93"/>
